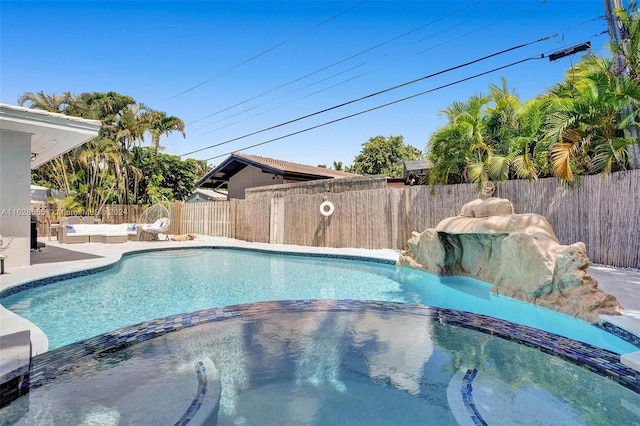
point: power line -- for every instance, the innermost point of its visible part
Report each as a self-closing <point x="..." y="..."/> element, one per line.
<point x="379" y="106"/>
<point x="422" y="39"/>
<point x="279" y="97"/>
<point x="269" y="49"/>
<point x="460" y="24"/>
<point x="340" y="61"/>
<point x="470" y="32"/>
<point x="372" y="94"/>
<point x="313" y="93"/>
<point x="280" y="106"/>
<point x="302" y="88"/>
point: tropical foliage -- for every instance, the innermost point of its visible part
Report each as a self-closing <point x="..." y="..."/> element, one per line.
<point x="584" y="125"/>
<point x="115" y="167"/>
<point x="382" y="155"/>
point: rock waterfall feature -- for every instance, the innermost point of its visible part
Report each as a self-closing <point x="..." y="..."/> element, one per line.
<point x="518" y="253"/>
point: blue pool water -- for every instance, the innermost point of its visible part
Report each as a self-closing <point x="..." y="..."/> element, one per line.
<point x="158" y="284"/>
<point x="269" y="365"/>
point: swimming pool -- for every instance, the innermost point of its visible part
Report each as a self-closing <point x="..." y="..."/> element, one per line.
<point x="317" y="363"/>
<point x="156" y="284"/>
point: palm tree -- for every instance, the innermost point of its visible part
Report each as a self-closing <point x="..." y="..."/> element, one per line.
<point x="470" y="121"/>
<point x="101" y="160"/>
<point x="158" y="123"/>
<point x="585" y="130"/>
<point x="129" y="132"/>
<point x="488" y="138"/>
<point x="51" y="103"/>
<point x="448" y="152"/>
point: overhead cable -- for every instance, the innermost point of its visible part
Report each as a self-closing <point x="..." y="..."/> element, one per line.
<point x="280" y="97"/>
<point x="338" y="62"/>
<point x="269" y="49"/>
<point x="371" y="95"/>
<point x="296" y="100"/>
<point x="470" y="32"/>
<point x="380" y="106"/>
<point x="472" y="19"/>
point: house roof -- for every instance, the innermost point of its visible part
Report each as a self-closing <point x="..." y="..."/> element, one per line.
<point x="53" y="134"/>
<point x="219" y="177"/>
<point x="417" y="165"/>
<point x="211" y="193"/>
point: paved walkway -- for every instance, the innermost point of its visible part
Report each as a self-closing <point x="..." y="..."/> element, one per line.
<point x="625" y="285"/>
<point x="56" y="259"/>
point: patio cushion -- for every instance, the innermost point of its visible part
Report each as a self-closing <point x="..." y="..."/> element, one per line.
<point x="157" y="224"/>
<point x="101" y="229"/>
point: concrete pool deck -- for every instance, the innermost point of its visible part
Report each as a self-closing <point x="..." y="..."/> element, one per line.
<point x="56" y="259"/>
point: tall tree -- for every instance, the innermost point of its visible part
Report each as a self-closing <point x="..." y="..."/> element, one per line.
<point x="51" y="103"/>
<point x="384" y="156"/>
<point x="103" y="169"/>
<point x="171" y="179"/>
<point x="158" y="123"/>
<point x="585" y="130"/>
<point x="488" y="138"/>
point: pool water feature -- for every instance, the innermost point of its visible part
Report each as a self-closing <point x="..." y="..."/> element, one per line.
<point x="314" y="363"/>
<point x="157" y="284"/>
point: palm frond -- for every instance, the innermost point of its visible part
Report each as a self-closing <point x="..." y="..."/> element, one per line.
<point x="476" y="171"/>
<point x="561" y="160"/>
<point x="498" y="167"/>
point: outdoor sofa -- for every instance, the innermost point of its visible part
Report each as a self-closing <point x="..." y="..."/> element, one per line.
<point x="99" y="233"/>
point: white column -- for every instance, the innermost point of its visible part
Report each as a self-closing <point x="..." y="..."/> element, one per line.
<point x="15" y="179"/>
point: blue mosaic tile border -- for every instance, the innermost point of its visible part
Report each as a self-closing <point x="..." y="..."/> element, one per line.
<point x="600" y="361"/>
<point x="467" y="397"/>
<point x="56" y="278"/>
<point x="320" y="255"/>
<point x="201" y="373"/>
<point x="620" y="332"/>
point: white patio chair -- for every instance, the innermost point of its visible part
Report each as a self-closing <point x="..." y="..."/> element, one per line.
<point x="154" y="221"/>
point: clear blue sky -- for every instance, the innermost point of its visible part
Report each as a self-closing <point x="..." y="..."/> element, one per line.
<point x="154" y="51"/>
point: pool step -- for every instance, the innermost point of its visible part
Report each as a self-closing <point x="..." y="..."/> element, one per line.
<point x="632" y="360"/>
<point x="15" y="365"/>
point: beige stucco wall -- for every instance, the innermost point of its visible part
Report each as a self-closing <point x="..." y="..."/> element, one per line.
<point x="250" y="177"/>
<point x="15" y="168"/>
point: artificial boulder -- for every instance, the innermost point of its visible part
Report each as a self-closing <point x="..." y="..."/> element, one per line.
<point x="518" y="253"/>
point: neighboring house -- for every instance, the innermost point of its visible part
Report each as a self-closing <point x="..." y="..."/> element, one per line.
<point x="396" y="182"/>
<point x="241" y="171"/>
<point x="200" y="195"/>
<point x="41" y="194"/>
<point x="415" y="170"/>
<point x="28" y="139"/>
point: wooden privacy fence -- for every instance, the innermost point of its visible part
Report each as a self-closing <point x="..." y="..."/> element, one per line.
<point x="121" y="213"/>
<point x="603" y="213"/>
<point x="204" y="218"/>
